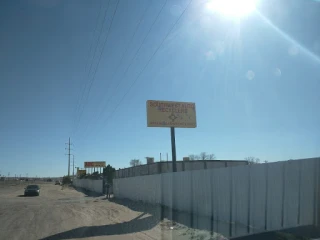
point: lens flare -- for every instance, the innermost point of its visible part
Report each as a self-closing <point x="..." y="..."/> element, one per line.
<point x="233" y="8"/>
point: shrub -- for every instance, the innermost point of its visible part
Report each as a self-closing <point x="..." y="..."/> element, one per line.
<point x="66" y="180"/>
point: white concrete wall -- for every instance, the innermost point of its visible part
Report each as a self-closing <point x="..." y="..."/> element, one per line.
<point x="263" y="196"/>
<point x="164" y="167"/>
<point x="88" y="184"/>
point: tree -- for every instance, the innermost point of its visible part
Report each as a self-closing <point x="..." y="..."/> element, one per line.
<point x="135" y="162"/>
<point x="197" y="157"/>
<point x="108" y="173"/>
<point x="203" y="156"/>
<point x="252" y="160"/>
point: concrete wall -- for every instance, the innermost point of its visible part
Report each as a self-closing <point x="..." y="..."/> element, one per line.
<point x="88" y="184"/>
<point x="164" y="167"/>
<point x="252" y="198"/>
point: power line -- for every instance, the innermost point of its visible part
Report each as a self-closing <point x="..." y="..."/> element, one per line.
<point x="95" y="51"/>
<point x="148" y="62"/>
<point x="135" y="55"/>
<point x="87" y="62"/>
<point x="94" y="75"/>
<point x="122" y="57"/>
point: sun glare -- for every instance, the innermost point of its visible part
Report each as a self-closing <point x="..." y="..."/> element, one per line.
<point x="233" y="8"/>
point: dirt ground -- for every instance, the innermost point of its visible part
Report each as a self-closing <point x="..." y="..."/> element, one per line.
<point x="65" y="213"/>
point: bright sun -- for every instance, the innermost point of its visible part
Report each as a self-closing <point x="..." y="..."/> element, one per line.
<point x="233" y="8"/>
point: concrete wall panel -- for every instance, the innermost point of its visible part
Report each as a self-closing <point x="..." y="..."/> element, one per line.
<point x="179" y="166"/>
<point x="90" y="185"/>
<point x="235" y="163"/>
<point x="221" y="194"/>
<point x="291" y="193"/>
<point x="265" y="196"/>
<point x="149" y="190"/>
<point x="240" y="199"/>
<point x="166" y="186"/>
<point x="220" y="164"/>
<point x="182" y="191"/>
<point x="166" y="167"/>
<point x="201" y="192"/>
<point x="275" y="193"/>
<point x="153" y="168"/>
<point x="193" y="165"/>
<point x="258" y="190"/>
<point x="309" y="169"/>
<point x="143" y="170"/>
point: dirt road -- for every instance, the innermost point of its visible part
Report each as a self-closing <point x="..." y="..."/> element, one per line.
<point x="64" y="213"/>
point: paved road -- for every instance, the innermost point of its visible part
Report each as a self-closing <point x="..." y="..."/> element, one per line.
<point x="64" y="213"/>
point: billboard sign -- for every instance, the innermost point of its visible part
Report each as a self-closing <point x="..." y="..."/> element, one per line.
<point x="94" y="164"/>
<point x="81" y="172"/>
<point x="171" y="114"/>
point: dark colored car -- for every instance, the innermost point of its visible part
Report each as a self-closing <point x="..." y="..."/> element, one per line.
<point x="32" y="190"/>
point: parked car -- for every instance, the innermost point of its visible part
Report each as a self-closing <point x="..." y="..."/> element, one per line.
<point x="57" y="183"/>
<point x="32" y="190"/>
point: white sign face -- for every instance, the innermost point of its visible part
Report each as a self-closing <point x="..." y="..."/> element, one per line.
<point x="171" y="114"/>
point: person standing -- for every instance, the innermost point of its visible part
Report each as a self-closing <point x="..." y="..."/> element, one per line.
<point x="108" y="190"/>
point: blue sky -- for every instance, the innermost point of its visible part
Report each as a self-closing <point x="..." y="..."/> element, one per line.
<point x="255" y="81"/>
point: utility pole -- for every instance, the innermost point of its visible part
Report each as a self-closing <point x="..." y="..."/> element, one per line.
<point x="69" y="149"/>
<point x="73" y="165"/>
<point x="69" y="159"/>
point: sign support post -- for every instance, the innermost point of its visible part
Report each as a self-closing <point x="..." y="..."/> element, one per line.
<point x="173" y="148"/>
<point x="171" y="114"/>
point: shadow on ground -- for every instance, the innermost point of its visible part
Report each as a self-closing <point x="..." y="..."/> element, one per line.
<point x="137" y="224"/>
<point x="298" y="233"/>
<point x="87" y="192"/>
<point x="151" y="215"/>
<point x="27" y="196"/>
<point x="161" y="212"/>
<point x="206" y="223"/>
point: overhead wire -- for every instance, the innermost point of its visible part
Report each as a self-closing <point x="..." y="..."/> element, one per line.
<point x="136" y="53"/>
<point x="87" y="62"/>
<point x="122" y="57"/>
<point x="104" y="44"/>
<point x="147" y="64"/>
<point x="94" y="54"/>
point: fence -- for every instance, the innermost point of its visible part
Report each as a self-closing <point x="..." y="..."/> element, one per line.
<point x="89" y="184"/>
<point x="164" y="167"/>
<point x="253" y="198"/>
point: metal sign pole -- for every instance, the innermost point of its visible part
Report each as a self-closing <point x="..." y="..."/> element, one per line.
<point x="173" y="147"/>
